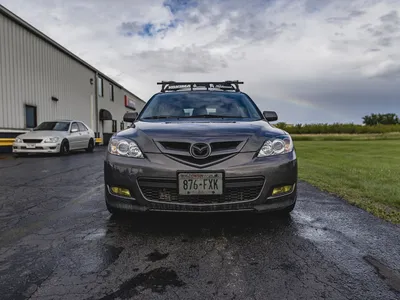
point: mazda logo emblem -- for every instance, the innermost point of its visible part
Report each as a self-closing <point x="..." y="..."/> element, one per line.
<point x="200" y="150"/>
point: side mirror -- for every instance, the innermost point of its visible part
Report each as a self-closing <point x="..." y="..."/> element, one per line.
<point x="270" y="116"/>
<point x="74" y="130"/>
<point x="130" y="117"/>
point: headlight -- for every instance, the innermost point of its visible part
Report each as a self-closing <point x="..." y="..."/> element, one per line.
<point x="51" y="140"/>
<point x="18" y="140"/>
<point x="124" y="147"/>
<point x="276" y="145"/>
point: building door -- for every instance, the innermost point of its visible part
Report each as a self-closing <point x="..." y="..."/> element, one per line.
<point x="30" y="116"/>
<point x="106" y="125"/>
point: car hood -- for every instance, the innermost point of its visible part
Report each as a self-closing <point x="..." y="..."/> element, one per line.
<point x="252" y="133"/>
<point x="41" y="134"/>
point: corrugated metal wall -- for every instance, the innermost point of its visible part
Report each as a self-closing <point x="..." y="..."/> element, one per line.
<point x="32" y="71"/>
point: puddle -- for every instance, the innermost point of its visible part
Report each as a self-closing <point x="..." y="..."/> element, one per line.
<point x="157" y="280"/>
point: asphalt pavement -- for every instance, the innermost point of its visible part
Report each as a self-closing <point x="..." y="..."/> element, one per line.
<point x="58" y="241"/>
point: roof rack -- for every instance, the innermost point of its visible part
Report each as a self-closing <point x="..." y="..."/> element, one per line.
<point x="228" y="85"/>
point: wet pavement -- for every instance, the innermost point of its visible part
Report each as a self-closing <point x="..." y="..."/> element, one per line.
<point x="58" y="241"/>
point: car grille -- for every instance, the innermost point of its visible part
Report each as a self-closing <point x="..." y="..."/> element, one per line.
<point x="200" y="162"/>
<point x="32" y="141"/>
<point x="37" y="147"/>
<point x="179" y="146"/>
<point x="200" y="208"/>
<point x="220" y="150"/>
<point x="223" y="146"/>
<point x="215" y="146"/>
<point x="236" y="190"/>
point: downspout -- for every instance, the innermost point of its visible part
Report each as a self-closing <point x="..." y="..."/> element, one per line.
<point x="96" y="104"/>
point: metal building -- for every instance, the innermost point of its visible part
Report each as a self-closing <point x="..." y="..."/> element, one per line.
<point x="41" y="80"/>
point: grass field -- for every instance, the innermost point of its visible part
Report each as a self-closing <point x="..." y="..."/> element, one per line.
<point x="365" y="172"/>
<point x="346" y="137"/>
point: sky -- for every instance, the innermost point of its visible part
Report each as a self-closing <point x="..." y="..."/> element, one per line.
<point x="311" y="61"/>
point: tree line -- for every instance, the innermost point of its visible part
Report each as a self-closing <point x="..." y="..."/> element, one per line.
<point x="386" y="119"/>
<point x="374" y="123"/>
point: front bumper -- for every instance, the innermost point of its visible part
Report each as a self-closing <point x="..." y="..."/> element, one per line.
<point x="38" y="148"/>
<point x="153" y="184"/>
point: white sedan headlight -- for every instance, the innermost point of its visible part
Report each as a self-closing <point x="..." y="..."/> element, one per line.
<point x="276" y="145"/>
<point x="18" y="140"/>
<point x="124" y="147"/>
<point x="51" y="140"/>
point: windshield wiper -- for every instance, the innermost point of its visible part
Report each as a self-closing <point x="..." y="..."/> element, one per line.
<point x="158" y="117"/>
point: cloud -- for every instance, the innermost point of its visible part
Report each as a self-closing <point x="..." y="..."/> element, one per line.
<point x="181" y="60"/>
<point x="148" y="29"/>
<point x="129" y="28"/>
<point x="347" y="18"/>
<point x="177" y="6"/>
<point x="310" y="60"/>
<point x="386" y="69"/>
<point x="392" y="17"/>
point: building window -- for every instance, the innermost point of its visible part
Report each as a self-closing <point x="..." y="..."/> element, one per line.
<point x="100" y="86"/>
<point x="30" y="116"/>
<point x="114" y="126"/>
<point x="111" y="92"/>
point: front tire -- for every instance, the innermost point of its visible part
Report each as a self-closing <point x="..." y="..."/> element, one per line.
<point x="64" y="148"/>
<point x="90" y="147"/>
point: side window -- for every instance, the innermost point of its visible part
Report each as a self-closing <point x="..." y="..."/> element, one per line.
<point x="111" y="92"/>
<point x="100" y="86"/>
<point x="30" y="116"/>
<point x="82" y="127"/>
<point x="74" y="126"/>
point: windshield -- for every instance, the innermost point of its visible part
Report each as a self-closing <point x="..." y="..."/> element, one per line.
<point x="55" y="126"/>
<point x="200" y="105"/>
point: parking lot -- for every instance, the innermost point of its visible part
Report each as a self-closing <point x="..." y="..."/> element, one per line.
<point x="58" y="241"/>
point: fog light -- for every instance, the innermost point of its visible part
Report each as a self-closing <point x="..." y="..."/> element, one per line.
<point x="282" y="190"/>
<point x="120" y="191"/>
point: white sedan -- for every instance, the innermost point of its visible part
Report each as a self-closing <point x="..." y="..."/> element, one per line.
<point x="61" y="136"/>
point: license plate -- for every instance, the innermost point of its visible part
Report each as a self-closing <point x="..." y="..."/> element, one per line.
<point x="31" y="146"/>
<point x="200" y="183"/>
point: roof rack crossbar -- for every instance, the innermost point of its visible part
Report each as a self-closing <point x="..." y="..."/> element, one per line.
<point x="178" y="85"/>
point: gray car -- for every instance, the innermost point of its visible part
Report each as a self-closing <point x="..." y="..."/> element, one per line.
<point x="201" y="147"/>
